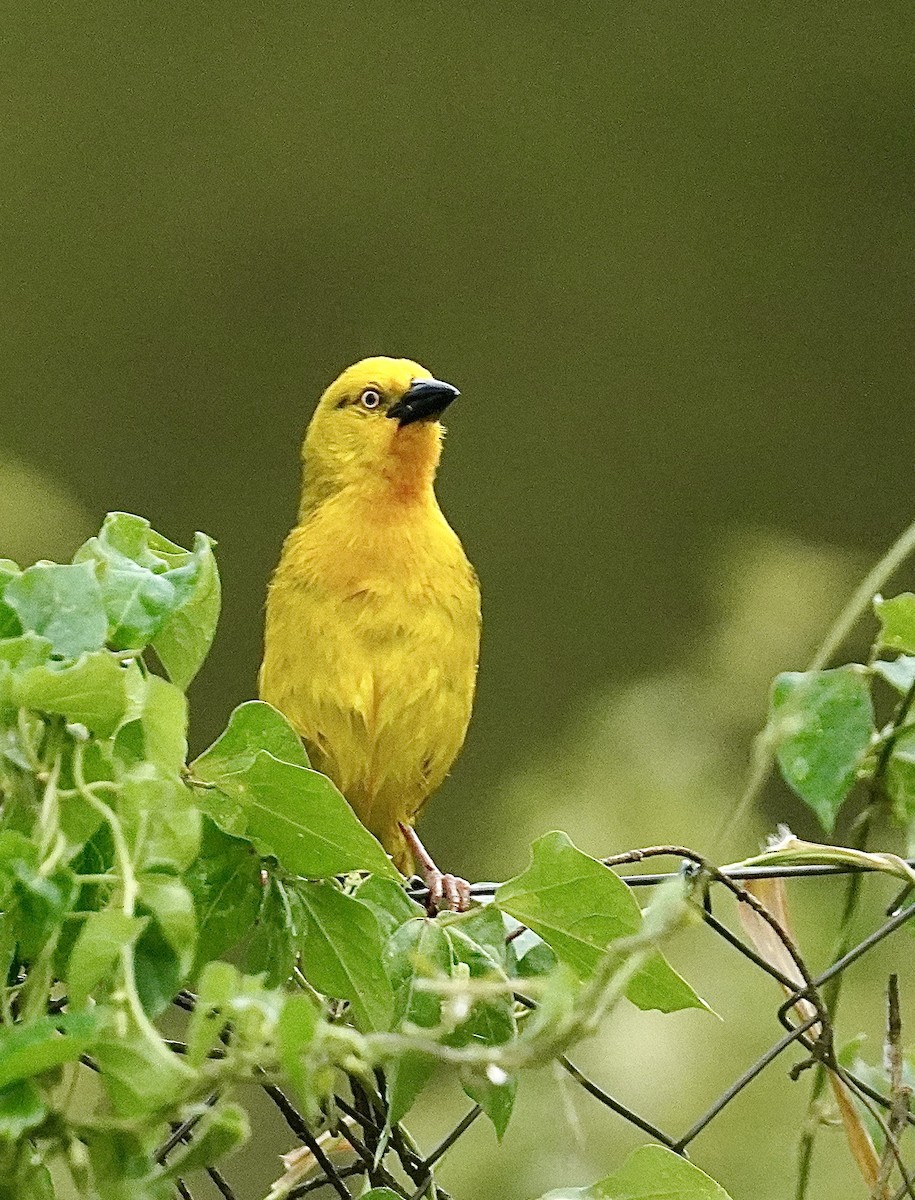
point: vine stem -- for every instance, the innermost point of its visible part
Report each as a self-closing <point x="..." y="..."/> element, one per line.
<point x="763" y="757"/>
<point x="131" y="890"/>
<point x="844" y="940"/>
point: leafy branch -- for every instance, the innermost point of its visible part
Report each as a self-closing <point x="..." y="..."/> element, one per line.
<point x="236" y="902"/>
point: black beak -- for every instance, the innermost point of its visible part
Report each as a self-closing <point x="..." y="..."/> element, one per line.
<point x="424" y="400"/>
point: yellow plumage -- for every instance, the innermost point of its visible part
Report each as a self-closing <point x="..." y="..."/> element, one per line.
<point x="373" y="613"/>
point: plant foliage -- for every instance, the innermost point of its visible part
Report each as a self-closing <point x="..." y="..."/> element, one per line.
<point x="242" y="887"/>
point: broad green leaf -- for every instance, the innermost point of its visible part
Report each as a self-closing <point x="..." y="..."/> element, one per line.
<point x="154" y="592"/>
<point x="417" y="950"/>
<point x="221" y="1130"/>
<point x="9" y="623"/>
<point x="225" y="882"/>
<point x="158" y="732"/>
<point x="477" y="939"/>
<point x="538" y="960"/>
<point x="897" y="622"/>
<point x="91" y="692"/>
<point x="141" y="1076"/>
<point x="161" y="819"/>
<point x="157" y="969"/>
<point x="649" y="1173"/>
<point x="274" y="942"/>
<point x="122" y="1167"/>
<point x="899" y="672"/>
<point x="580" y="908"/>
<point x="97" y="949"/>
<point x="22" y="1109"/>
<point x="32" y="1181"/>
<point x="900" y="781"/>
<point x="27" y="1050"/>
<point x="483" y="929"/>
<point x="218" y="983"/>
<point x="63" y="604"/>
<point x="171" y="906"/>
<point x="389" y="902"/>
<point x="28" y="650"/>
<point x="381" y="1193"/>
<point x="35" y="903"/>
<point x="252" y="727"/>
<point x="185" y="639"/>
<point x="137" y="601"/>
<point x="295" y="1033"/>
<point x="821" y="724"/>
<point x="342" y="954"/>
<point x="298" y="816"/>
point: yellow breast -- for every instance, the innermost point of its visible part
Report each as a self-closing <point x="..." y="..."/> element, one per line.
<point x="371" y="649"/>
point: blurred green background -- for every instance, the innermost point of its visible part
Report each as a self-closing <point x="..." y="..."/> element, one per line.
<point x="665" y="251"/>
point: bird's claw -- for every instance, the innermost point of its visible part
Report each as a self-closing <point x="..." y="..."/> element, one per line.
<point x="448" y="892"/>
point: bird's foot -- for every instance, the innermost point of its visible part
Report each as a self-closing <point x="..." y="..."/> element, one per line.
<point x="448" y="892"/>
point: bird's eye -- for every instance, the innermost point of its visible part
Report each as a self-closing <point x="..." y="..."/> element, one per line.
<point x="370" y="398"/>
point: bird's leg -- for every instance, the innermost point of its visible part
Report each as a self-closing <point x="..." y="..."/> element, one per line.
<point x="454" y="891"/>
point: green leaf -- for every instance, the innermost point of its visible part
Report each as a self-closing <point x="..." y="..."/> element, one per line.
<point x="649" y="1173"/>
<point x="27" y="1050"/>
<point x="580" y="907"/>
<point x="171" y="906"/>
<point x="137" y="601"/>
<point x="22" y="1109"/>
<point x="821" y="724"/>
<point x="225" y="882"/>
<point x="158" y="733"/>
<point x="221" y="1130"/>
<point x="900" y="781"/>
<point x="9" y="623"/>
<point x="899" y="672"/>
<point x="389" y="902"/>
<point x="252" y="727"/>
<point x="295" y="1032"/>
<point x="185" y="639"/>
<point x="63" y="604"/>
<point x="477" y="940"/>
<point x="32" y="1181"/>
<point x="123" y="1168"/>
<point x="97" y="950"/>
<point x="897" y="622"/>
<point x="341" y="954"/>
<point x="298" y="816"/>
<point x="141" y="1075"/>
<point x="160" y="818"/>
<point x="36" y="904"/>
<point x="417" y="950"/>
<point x="274" y="942"/>
<point x="536" y="961"/>
<point x="91" y="692"/>
<point x="218" y="984"/>
<point x="156" y="593"/>
<point x="28" y="650"/>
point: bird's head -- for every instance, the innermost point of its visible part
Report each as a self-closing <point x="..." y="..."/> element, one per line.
<point x="377" y="426"/>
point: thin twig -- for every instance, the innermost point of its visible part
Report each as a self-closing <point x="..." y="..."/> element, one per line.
<point x="898" y="1091"/>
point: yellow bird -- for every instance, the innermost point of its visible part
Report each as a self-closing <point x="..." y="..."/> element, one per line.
<point x="373" y="614"/>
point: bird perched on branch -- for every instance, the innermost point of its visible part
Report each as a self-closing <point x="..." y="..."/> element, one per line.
<point x="373" y="613"/>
